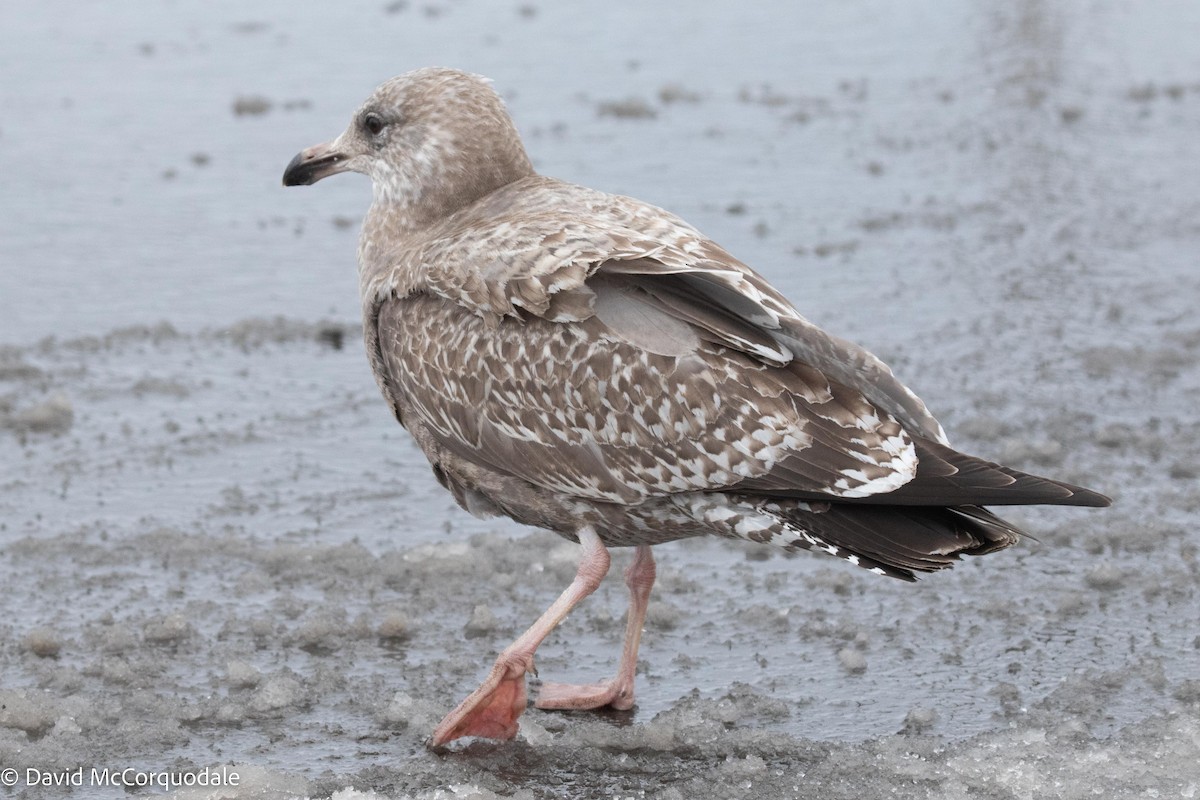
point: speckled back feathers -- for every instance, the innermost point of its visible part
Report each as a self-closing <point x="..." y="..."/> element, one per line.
<point x="570" y="357"/>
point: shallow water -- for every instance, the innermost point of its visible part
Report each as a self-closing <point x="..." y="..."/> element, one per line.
<point x="218" y="548"/>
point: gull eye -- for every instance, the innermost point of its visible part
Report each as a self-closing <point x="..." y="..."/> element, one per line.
<point x="373" y="124"/>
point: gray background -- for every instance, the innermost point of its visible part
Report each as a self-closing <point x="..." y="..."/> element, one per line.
<point x="218" y="549"/>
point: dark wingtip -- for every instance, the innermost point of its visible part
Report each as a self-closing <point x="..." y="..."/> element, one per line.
<point x="1086" y="497"/>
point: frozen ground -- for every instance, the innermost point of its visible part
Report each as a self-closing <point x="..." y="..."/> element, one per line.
<point x="217" y="549"/>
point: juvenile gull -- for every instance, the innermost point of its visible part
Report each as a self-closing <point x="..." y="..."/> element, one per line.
<point x="593" y="365"/>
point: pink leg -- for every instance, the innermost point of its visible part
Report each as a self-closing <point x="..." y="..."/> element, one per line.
<point x="617" y="692"/>
<point x="492" y="710"/>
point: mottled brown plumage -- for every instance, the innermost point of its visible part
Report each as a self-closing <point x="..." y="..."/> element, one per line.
<point x="592" y="364"/>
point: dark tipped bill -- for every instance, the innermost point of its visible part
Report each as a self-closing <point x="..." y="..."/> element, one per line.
<point x="314" y="163"/>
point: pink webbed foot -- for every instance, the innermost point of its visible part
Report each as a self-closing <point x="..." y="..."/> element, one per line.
<point x="615" y="693"/>
<point x="618" y="692"/>
<point x="491" y="711"/>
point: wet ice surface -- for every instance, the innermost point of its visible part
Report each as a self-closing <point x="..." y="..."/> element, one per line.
<point x="217" y="549"/>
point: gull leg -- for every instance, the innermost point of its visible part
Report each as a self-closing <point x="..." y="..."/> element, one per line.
<point x="492" y="710"/>
<point x="617" y="692"/>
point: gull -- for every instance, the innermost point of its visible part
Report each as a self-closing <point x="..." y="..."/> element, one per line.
<point x="593" y="365"/>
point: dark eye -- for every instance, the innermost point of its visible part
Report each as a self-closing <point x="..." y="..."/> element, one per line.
<point x="373" y="124"/>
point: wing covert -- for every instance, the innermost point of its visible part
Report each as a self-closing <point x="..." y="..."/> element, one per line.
<point x="624" y="406"/>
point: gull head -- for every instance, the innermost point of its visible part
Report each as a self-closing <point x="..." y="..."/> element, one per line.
<point x="432" y="140"/>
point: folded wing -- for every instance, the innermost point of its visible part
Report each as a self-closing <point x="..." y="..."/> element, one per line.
<point x="607" y="350"/>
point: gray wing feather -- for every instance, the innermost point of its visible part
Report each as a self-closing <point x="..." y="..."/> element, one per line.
<point x="654" y="361"/>
<point x="628" y="405"/>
